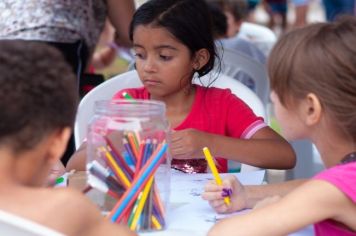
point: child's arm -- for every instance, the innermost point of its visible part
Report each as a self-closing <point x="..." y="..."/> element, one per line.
<point x="265" y="149"/>
<point x="243" y="197"/>
<point x="78" y="160"/>
<point x="120" y="15"/>
<point x="312" y="202"/>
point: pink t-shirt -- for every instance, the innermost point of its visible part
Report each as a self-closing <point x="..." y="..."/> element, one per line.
<point x="215" y="111"/>
<point x="344" y="178"/>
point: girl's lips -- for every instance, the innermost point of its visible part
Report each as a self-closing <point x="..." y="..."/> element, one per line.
<point x="151" y="82"/>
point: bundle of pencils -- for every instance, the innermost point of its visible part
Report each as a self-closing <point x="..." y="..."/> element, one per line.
<point x="129" y="177"/>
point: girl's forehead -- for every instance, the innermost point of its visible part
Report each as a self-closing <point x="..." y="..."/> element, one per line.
<point x="153" y="34"/>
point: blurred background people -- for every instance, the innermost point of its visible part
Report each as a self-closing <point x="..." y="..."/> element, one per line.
<point x="71" y="26"/>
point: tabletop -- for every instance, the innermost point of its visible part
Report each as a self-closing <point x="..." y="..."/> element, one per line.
<point x="189" y="214"/>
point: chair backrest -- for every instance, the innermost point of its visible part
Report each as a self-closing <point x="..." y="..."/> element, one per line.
<point x="245" y="94"/>
<point x="234" y="62"/>
<point x="104" y="91"/>
<point x="263" y="37"/>
<point x="130" y="79"/>
<point x="11" y="224"/>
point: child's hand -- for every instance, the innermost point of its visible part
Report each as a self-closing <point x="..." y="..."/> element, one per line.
<point x="215" y="195"/>
<point x="188" y="144"/>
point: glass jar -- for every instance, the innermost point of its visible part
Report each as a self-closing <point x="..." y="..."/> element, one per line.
<point x="129" y="162"/>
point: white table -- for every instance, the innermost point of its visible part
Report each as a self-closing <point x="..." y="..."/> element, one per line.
<point x="189" y="214"/>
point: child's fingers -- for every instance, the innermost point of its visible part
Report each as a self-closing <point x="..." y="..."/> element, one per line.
<point x="211" y="186"/>
<point x="178" y="150"/>
<point x="216" y="203"/>
<point x="175" y="144"/>
<point x="211" y="196"/>
<point x="229" y="180"/>
<point x="222" y="209"/>
<point x="181" y="157"/>
<point x="176" y="136"/>
<point x="219" y="206"/>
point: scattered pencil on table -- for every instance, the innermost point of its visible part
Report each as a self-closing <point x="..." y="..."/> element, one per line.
<point x="214" y="170"/>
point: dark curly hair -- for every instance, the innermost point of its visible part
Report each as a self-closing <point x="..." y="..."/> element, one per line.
<point x="37" y="93"/>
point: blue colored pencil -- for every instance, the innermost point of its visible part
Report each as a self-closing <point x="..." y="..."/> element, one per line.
<point x="148" y="169"/>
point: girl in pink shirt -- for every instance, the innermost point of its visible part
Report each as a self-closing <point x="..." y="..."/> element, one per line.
<point x="313" y="77"/>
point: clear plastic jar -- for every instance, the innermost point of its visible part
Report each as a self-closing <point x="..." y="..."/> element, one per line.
<point x="128" y="161"/>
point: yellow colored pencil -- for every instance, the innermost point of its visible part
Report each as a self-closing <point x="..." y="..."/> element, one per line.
<point x="117" y="169"/>
<point x="155" y="222"/>
<point x="141" y="204"/>
<point x="214" y="170"/>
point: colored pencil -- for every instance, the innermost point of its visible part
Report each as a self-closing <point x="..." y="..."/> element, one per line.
<point x="116" y="169"/>
<point x="147" y="170"/>
<point x="127" y="96"/>
<point x="214" y="170"/>
<point x="141" y="204"/>
<point x="119" y="159"/>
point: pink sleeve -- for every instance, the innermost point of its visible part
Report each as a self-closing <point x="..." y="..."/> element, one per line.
<point x="343" y="177"/>
<point x="242" y="122"/>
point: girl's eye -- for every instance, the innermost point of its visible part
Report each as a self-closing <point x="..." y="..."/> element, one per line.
<point x="165" y="58"/>
<point x="138" y="55"/>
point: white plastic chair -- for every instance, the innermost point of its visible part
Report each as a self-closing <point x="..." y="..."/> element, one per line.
<point x="103" y="91"/>
<point x="245" y="94"/>
<point x="263" y="37"/>
<point x="233" y="62"/>
<point x="11" y="224"/>
<point x="130" y="79"/>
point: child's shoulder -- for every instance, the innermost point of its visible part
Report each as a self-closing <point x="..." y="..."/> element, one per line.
<point x="68" y="210"/>
<point x="342" y="176"/>
<point x="62" y="209"/>
<point x="70" y="200"/>
<point x="217" y="94"/>
<point x="76" y="215"/>
<point x="213" y="91"/>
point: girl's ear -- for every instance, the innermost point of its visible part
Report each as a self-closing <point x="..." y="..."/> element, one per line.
<point x="312" y="109"/>
<point x="58" y="145"/>
<point x="202" y="57"/>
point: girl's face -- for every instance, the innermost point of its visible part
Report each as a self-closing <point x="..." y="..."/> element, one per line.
<point x="288" y="118"/>
<point x="165" y="65"/>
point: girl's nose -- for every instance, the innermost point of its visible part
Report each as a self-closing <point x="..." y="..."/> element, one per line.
<point x="149" y="65"/>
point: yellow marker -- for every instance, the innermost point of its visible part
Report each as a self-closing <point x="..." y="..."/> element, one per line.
<point x="214" y="170"/>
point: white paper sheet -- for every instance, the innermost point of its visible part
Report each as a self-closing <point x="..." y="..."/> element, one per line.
<point x="188" y="187"/>
<point x="188" y="213"/>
